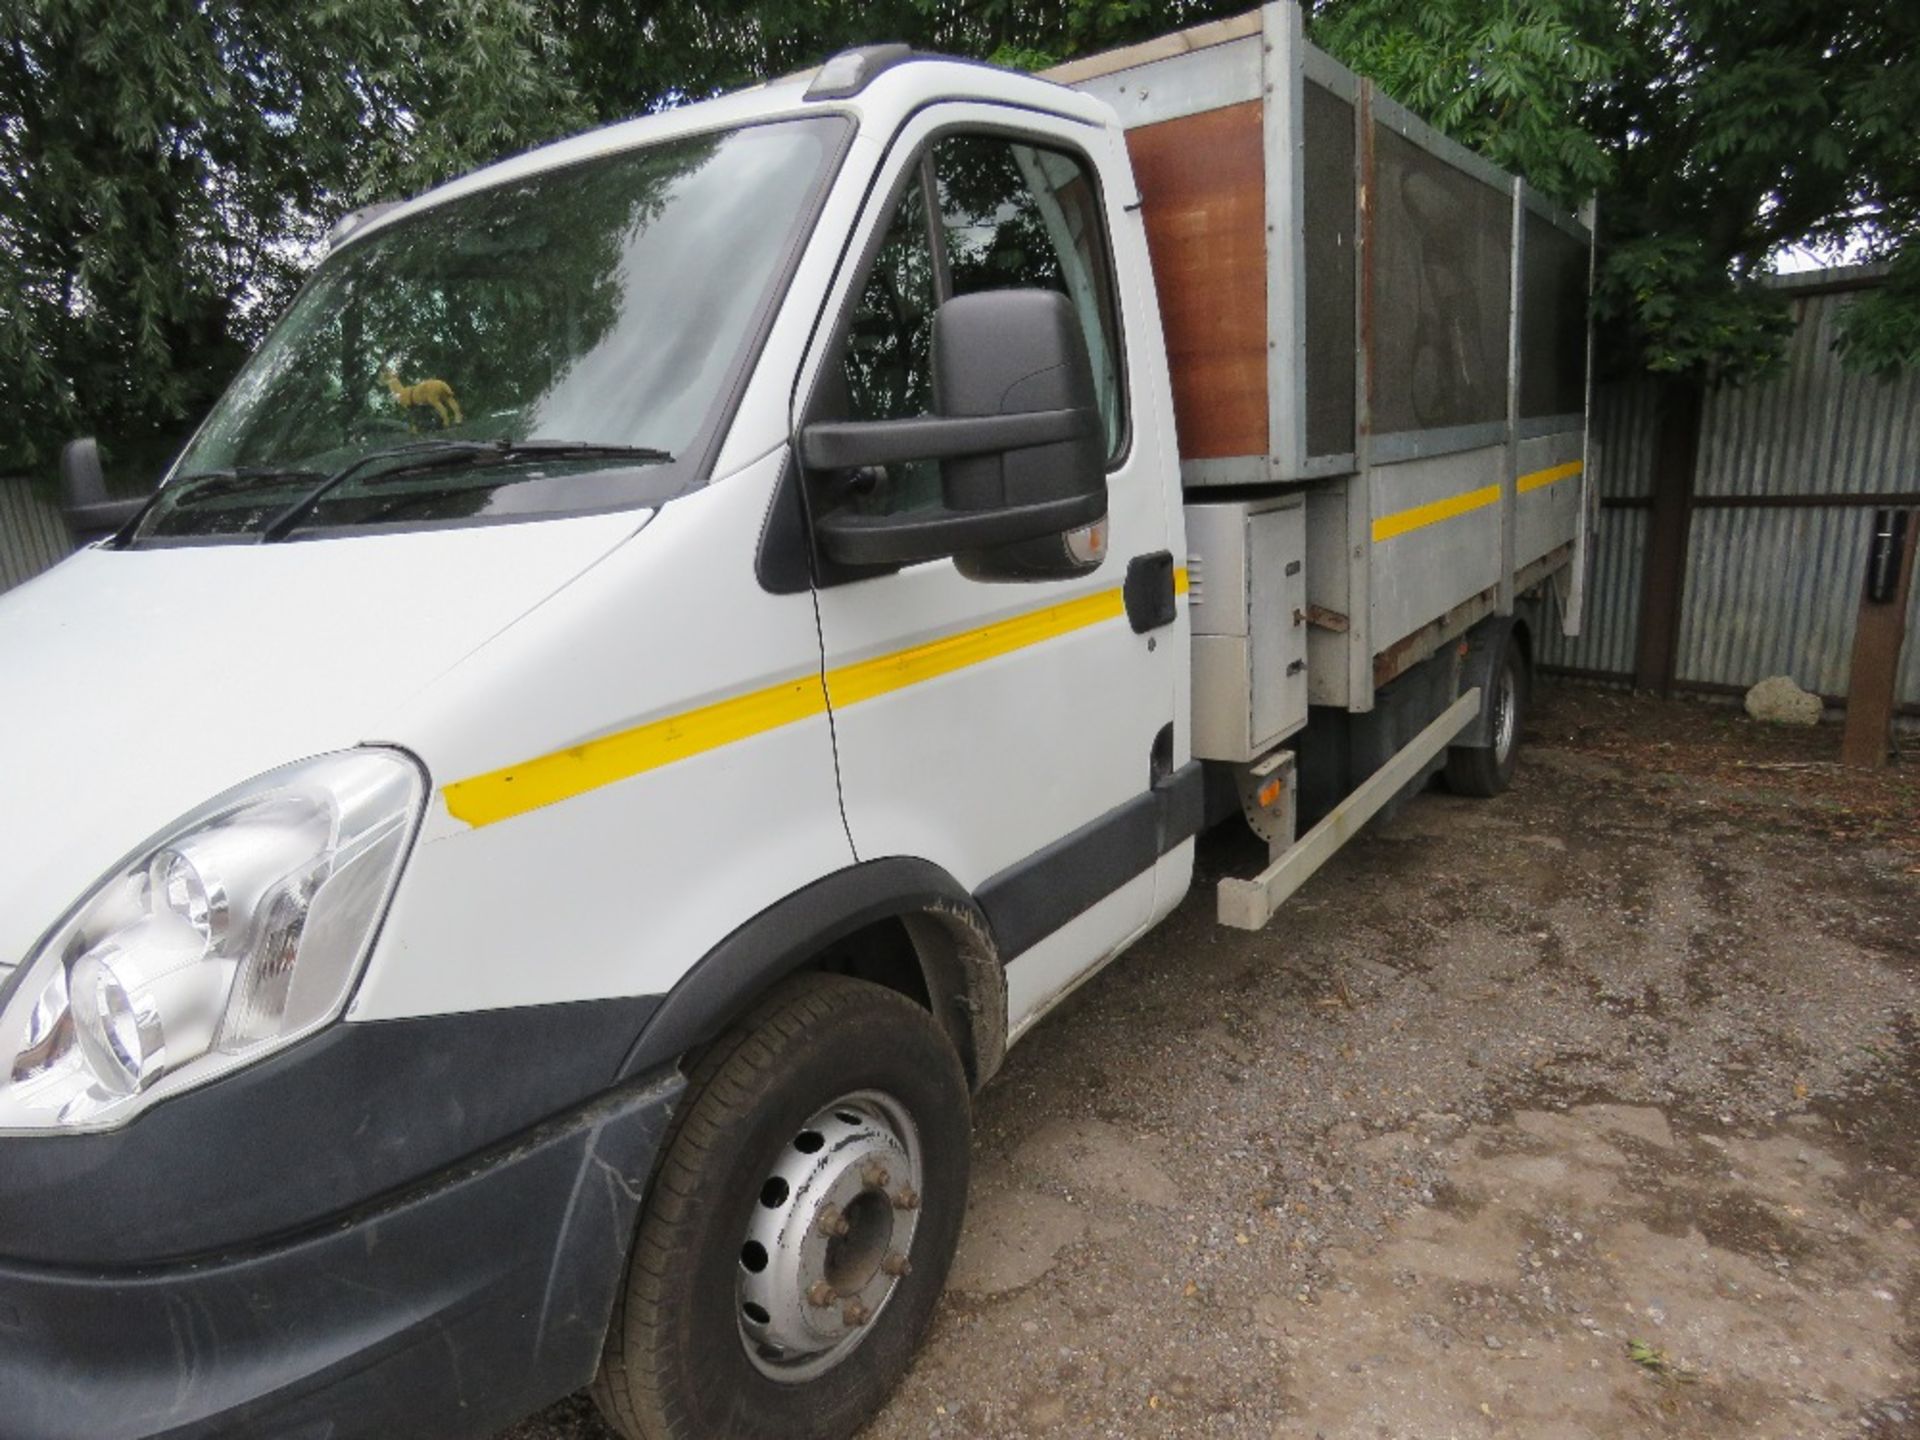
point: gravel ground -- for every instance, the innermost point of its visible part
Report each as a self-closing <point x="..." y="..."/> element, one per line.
<point x="1586" y="1112"/>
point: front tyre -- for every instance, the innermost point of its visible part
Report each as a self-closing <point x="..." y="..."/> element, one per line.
<point x="799" y="1231"/>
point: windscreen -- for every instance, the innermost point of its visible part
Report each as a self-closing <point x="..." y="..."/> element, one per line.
<point x="605" y="304"/>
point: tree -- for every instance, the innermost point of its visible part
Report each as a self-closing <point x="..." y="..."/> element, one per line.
<point x="167" y="171"/>
<point x="628" y="59"/>
<point x="1716" y="133"/>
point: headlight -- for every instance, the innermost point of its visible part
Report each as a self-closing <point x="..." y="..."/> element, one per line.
<point x="236" y="932"/>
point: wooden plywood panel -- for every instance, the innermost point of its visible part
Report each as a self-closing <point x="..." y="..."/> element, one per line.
<point x="1203" y="197"/>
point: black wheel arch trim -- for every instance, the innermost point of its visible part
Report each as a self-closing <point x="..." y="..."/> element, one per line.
<point x="962" y="941"/>
<point x="960" y="964"/>
<point x="364" y="1109"/>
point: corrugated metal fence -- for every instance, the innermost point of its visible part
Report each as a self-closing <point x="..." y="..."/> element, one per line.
<point x="32" y="534"/>
<point x="1781" y="516"/>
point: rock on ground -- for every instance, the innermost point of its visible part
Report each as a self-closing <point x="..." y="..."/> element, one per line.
<point x="1778" y="701"/>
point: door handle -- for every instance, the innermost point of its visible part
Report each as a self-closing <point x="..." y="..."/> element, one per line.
<point x="1148" y="591"/>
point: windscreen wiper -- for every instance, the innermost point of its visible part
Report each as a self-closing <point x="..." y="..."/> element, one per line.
<point x="574" y="450"/>
<point x="434" y="454"/>
<point x="235" y="477"/>
<point x="421" y="453"/>
<point x="206" y="484"/>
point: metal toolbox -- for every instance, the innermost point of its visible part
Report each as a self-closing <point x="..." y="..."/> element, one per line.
<point x="1246" y="571"/>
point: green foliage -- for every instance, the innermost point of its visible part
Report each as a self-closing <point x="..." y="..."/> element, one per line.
<point x="1675" y="298"/>
<point x="627" y="59"/>
<point x="1715" y="133"/>
<point x="1500" y="79"/>
<point x="1880" y="330"/>
<point x="167" y="167"/>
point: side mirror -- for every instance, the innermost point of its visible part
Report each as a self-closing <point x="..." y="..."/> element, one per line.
<point x="90" y="514"/>
<point x="1017" y="433"/>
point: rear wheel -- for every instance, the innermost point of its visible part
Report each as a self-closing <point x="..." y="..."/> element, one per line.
<point x="1487" y="770"/>
<point x="799" y="1232"/>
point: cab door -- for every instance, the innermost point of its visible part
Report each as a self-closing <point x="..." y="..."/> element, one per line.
<point x="1018" y="733"/>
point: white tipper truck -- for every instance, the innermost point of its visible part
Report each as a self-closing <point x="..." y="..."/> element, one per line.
<point x="677" y="650"/>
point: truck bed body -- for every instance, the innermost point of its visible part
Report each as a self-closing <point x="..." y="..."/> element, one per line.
<point x="1364" y="315"/>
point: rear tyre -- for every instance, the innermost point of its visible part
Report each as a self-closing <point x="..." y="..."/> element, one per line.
<point x="1487" y="770"/>
<point x="799" y="1231"/>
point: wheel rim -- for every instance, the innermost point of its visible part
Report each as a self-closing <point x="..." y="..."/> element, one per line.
<point x="1506" y="714"/>
<point x="830" y="1236"/>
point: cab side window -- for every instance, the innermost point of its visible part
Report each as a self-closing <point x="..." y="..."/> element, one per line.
<point x="886" y="368"/>
<point x="887" y="364"/>
<point x="1020" y="216"/>
<point x="980" y="212"/>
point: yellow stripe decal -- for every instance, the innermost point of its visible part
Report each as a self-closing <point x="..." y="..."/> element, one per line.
<point x="850" y="684"/>
<point x="1540" y="478"/>
<point x="502" y="794"/>
<point x="1434" y="511"/>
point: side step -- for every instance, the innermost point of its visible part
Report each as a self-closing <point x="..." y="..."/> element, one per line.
<point x="1249" y="904"/>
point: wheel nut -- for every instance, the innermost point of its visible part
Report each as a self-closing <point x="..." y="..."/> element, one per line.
<point x="906" y="1198"/>
<point x="874" y="1174"/>
<point x="854" y="1313"/>
<point x="832" y="1223"/>
<point x="896" y="1265"/>
<point x="820" y="1294"/>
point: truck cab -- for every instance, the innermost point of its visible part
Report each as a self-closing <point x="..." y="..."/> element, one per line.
<point x="676" y="651"/>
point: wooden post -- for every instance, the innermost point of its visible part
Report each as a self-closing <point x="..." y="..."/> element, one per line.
<point x="1873" y="678"/>
<point x="1676" y="454"/>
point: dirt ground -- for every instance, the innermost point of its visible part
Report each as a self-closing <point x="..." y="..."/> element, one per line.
<point x="1593" y="1111"/>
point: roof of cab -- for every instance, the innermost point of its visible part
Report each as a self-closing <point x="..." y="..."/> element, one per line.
<point x="882" y="83"/>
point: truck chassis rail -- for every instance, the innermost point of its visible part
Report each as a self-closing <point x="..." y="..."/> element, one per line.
<point x="1249" y="904"/>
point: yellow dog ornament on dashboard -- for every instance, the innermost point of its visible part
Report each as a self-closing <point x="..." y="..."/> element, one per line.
<point x="435" y="395"/>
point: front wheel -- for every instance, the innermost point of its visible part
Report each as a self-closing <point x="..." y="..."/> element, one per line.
<point x="1487" y="770"/>
<point x="798" y="1234"/>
